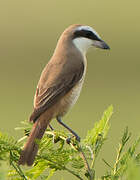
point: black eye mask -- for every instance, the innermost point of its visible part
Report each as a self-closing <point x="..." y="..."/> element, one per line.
<point x="86" y="34"/>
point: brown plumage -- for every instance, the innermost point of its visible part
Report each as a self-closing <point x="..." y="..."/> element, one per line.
<point x="58" y="88"/>
<point x="53" y="91"/>
<point x="30" y="149"/>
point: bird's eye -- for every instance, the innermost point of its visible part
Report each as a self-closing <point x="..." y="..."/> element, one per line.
<point x="89" y="34"/>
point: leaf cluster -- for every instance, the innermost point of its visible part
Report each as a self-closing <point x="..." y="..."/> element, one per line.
<point x="124" y="160"/>
<point x="76" y="158"/>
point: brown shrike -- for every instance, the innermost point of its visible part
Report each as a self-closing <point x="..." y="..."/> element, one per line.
<point x="60" y="84"/>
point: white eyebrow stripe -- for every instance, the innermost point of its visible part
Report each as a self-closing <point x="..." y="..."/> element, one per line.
<point x="89" y="29"/>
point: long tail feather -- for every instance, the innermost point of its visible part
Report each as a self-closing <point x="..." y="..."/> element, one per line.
<point x="31" y="147"/>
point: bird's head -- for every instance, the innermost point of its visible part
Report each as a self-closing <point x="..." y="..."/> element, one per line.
<point x="85" y="37"/>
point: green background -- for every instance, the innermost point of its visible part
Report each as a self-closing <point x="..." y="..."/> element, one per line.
<point x="29" y="31"/>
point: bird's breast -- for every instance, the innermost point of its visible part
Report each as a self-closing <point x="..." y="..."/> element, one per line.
<point x="70" y="98"/>
<point x="68" y="101"/>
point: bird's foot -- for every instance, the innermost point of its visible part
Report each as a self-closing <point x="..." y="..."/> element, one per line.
<point x="68" y="140"/>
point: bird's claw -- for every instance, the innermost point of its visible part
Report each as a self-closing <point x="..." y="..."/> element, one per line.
<point x="68" y="140"/>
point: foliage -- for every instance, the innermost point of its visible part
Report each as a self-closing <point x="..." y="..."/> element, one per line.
<point x="76" y="158"/>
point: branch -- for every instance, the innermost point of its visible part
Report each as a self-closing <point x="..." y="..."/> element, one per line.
<point x="90" y="172"/>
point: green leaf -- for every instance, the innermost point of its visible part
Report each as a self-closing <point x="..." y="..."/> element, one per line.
<point x="100" y="128"/>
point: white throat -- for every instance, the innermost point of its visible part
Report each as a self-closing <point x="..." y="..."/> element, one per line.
<point x="82" y="44"/>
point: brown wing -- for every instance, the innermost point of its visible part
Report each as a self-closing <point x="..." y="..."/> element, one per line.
<point x="54" y="84"/>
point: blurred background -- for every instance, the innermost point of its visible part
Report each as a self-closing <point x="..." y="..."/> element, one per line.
<point x="29" y="31"/>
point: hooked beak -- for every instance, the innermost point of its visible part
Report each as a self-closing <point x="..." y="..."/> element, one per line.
<point x="101" y="44"/>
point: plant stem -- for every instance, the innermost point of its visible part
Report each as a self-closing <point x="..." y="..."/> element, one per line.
<point x="82" y="156"/>
<point x="86" y="163"/>
<point x="117" y="159"/>
<point x="19" y="171"/>
<point x="63" y="167"/>
<point x="16" y="167"/>
<point x="72" y="172"/>
<point x="93" y="162"/>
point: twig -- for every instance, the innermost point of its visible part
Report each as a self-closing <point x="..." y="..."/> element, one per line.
<point x="118" y="158"/>
<point x="89" y="148"/>
<point x="17" y="167"/>
<point x="107" y="164"/>
<point x="19" y="171"/>
<point x="72" y="172"/>
<point x="124" y="140"/>
<point x="98" y="145"/>
<point x="82" y="156"/>
<point x="63" y="167"/>
<point x="90" y="172"/>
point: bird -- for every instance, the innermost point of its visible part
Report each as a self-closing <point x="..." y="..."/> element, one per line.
<point x="60" y="84"/>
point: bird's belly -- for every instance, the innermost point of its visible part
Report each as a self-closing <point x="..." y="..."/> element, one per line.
<point x="70" y="99"/>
